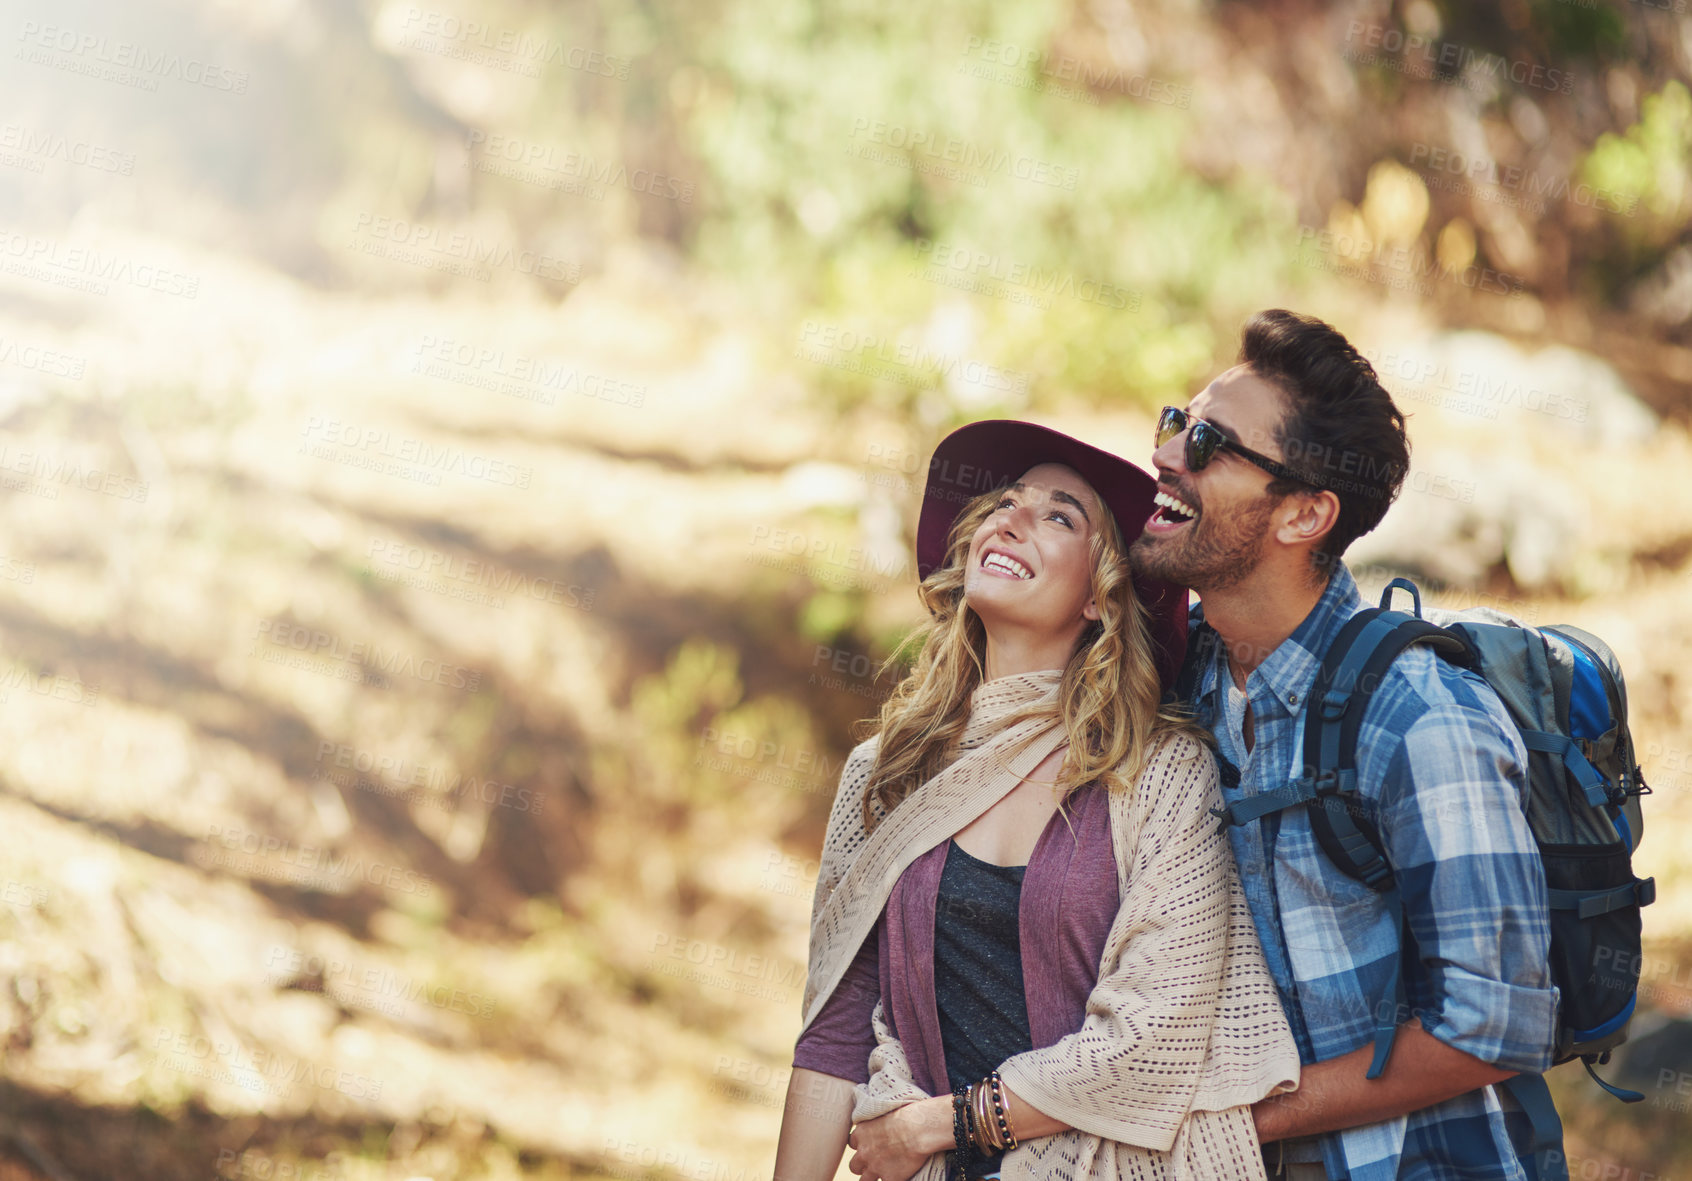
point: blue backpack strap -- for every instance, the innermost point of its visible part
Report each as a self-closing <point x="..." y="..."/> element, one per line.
<point x="1592" y="784"/>
<point x="1244" y="811"/>
<point x="1350" y="673"/>
<point x="1589" y="904"/>
<point x="1302" y="787"/>
<point x="1621" y="1093"/>
<point x="1344" y="694"/>
<point x="1547" y="1146"/>
<point x="1402" y="584"/>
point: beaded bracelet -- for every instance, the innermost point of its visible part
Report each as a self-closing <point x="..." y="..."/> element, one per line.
<point x="960" y="1124"/>
<point x="1001" y="1111"/>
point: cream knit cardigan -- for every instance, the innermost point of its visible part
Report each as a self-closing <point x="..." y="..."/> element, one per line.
<point x="1183" y="1029"/>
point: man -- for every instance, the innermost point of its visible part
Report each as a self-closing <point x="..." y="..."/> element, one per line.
<point x="1266" y="478"/>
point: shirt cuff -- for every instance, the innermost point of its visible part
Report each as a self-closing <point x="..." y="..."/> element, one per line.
<point x="1510" y="1026"/>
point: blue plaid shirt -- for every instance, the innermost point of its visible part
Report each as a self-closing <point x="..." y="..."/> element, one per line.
<point x="1441" y="770"/>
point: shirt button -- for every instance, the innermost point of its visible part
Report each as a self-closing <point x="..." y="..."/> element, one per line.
<point x="1292" y="698"/>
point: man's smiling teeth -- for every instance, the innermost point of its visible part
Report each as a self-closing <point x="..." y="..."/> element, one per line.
<point x="1007" y="564"/>
<point x="1175" y="507"/>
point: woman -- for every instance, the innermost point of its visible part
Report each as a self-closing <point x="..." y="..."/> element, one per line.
<point x="1029" y="954"/>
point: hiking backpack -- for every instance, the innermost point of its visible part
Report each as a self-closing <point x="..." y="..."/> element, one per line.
<point x="1564" y="690"/>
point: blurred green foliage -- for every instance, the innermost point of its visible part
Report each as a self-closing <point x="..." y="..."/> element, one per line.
<point x="865" y="162"/>
<point x="1651" y="162"/>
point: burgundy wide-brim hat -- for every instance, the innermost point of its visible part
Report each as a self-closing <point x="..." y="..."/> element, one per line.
<point x="985" y="456"/>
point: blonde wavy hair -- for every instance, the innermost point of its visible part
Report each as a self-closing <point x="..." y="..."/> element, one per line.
<point x="1110" y="698"/>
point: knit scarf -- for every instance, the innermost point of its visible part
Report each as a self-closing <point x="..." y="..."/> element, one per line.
<point x="858" y="870"/>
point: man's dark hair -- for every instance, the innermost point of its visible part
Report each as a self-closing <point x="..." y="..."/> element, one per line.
<point x="1341" y="427"/>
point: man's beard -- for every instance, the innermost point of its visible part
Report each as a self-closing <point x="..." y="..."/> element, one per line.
<point x="1215" y="553"/>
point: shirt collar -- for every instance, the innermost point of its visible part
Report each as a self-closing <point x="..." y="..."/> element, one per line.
<point x="1289" y="671"/>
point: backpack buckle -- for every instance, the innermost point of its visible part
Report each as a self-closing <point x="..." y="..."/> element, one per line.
<point x="1377" y="875"/>
<point x="1335" y="783"/>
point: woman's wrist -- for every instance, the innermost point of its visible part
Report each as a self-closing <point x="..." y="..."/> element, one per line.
<point x="932" y="1124"/>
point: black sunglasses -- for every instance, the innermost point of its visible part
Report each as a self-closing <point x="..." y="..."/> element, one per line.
<point x="1205" y="439"/>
